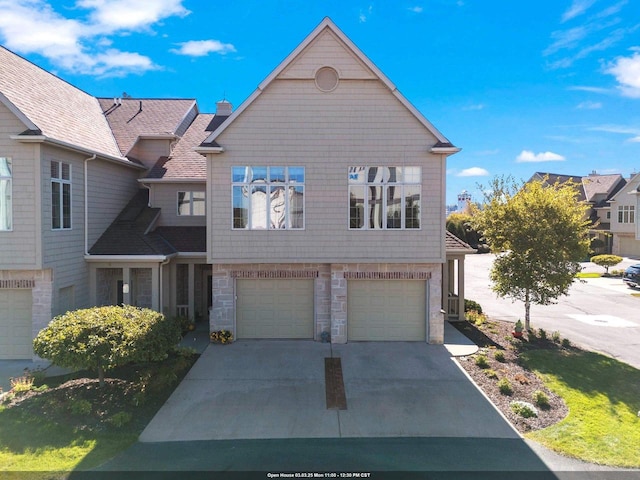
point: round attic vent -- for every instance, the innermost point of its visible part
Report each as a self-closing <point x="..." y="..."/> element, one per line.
<point x="326" y="79"/>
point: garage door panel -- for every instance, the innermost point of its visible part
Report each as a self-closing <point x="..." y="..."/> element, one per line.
<point x="15" y="324"/>
<point x="384" y="310"/>
<point x="274" y="308"/>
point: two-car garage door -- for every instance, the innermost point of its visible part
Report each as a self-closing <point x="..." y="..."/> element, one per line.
<point x="386" y="310"/>
<point x="15" y="324"/>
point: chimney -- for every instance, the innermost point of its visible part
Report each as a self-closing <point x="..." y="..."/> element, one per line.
<point x="223" y="108"/>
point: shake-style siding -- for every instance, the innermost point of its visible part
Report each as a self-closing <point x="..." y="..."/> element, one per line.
<point x="19" y="247"/>
<point x="359" y="124"/>
<point x="165" y="197"/>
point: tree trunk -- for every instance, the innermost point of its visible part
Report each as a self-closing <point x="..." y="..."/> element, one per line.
<point x="101" y="376"/>
<point x="527" y="316"/>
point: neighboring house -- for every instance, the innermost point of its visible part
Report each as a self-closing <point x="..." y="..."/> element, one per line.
<point x="62" y="182"/>
<point x="317" y="206"/>
<point x="596" y="191"/>
<point x="625" y="206"/>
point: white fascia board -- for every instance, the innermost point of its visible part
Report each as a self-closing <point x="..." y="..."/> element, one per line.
<point x="172" y="180"/>
<point x="193" y="106"/>
<point x="18" y="113"/>
<point x="128" y="258"/>
<point x="76" y="148"/>
<point x="445" y="150"/>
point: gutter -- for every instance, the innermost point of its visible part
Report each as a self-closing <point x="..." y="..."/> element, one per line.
<point x="129" y="258"/>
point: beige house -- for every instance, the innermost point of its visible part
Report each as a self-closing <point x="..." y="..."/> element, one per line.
<point x="315" y="208"/>
<point x="624" y="219"/>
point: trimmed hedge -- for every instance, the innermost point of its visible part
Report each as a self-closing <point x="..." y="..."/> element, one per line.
<point x="105" y="337"/>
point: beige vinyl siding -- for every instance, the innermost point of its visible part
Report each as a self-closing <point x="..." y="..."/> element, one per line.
<point x="148" y="151"/>
<point x="110" y="189"/>
<point x="15" y="324"/>
<point x="360" y="123"/>
<point x="165" y="197"/>
<point x="20" y="247"/>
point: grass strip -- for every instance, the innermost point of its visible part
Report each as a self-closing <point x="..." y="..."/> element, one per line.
<point x="603" y="396"/>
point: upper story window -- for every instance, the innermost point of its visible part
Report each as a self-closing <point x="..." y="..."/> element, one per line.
<point x="5" y="194"/>
<point x="60" y="196"/>
<point x="384" y="197"/>
<point x="267" y="198"/>
<point x="191" y="203"/>
<point x="626" y="214"/>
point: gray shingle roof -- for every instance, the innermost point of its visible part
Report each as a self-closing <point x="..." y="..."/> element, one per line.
<point x="184" y="162"/>
<point x="131" y="118"/>
<point x="59" y="110"/>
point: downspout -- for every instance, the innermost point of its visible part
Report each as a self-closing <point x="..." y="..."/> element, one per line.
<point x="86" y="204"/>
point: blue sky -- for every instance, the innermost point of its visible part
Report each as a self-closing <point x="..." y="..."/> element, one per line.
<point x="551" y="85"/>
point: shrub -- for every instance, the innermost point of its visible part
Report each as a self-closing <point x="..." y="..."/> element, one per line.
<point x="80" y="407"/>
<point x="102" y="338"/>
<point x="524" y="409"/>
<point x="221" y="336"/>
<point x="482" y="361"/>
<point x="499" y="356"/>
<point x="606" y="261"/>
<point x="472" y="305"/>
<point x="476" y="318"/>
<point x="505" y="387"/>
<point x="540" y="398"/>
<point x="491" y="373"/>
<point x="555" y="336"/>
<point x="542" y="334"/>
<point x="566" y="343"/>
<point x="119" y="419"/>
<point x="21" y="384"/>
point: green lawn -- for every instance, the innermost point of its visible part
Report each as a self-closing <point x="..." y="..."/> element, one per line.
<point x="76" y="427"/>
<point x="588" y="275"/>
<point x="603" y="396"/>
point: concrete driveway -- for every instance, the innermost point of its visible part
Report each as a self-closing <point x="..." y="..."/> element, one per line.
<point x="276" y="389"/>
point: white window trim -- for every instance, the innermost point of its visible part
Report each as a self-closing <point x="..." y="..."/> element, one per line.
<point x="286" y="185"/>
<point x="10" y="194"/>
<point x="62" y="182"/>
<point x="626" y="214"/>
<point x="403" y="207"/>
<point x="190" y="214"/>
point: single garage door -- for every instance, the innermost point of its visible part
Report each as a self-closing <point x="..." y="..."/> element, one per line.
<point x="383" y="310"/>
<point x="15" y="324"/>
<point x="274" y="308"/>
<point x="629" y="246"/>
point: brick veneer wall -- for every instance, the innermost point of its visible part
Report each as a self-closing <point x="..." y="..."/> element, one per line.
<point x="330" y="291"/>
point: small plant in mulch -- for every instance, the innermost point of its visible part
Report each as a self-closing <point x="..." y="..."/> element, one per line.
<point x="524" y="409"/>
<point x="221" y="336"/>
<point x="504" y="386"/>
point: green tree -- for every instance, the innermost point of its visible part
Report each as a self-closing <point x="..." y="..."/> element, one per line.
<point x="101" y="338"/>
<point x="606" y="261"/>
<point x="461" y="226"/>
<point x="540" y="233"/>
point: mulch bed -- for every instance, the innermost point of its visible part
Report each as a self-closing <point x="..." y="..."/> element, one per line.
<point x="493" y="336"/>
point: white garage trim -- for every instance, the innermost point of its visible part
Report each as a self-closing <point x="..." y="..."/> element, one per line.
<point x="275" y="308"/>
<point x="387" y="310"/>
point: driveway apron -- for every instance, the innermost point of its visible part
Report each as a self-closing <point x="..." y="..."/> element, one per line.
<point x="263" y="389"/>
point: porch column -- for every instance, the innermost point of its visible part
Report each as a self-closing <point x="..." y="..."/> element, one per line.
<point x="192" y="291"/>
<point x="461" y="315"/>
<point x="155" y="288"/>
<point x="126" y="285"/>
<point x="445" y="287"/>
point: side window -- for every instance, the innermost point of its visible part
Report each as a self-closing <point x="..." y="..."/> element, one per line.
<point x="191" y="203"/>
<point x="60" y="196"/>
<point x="6" y="210"/>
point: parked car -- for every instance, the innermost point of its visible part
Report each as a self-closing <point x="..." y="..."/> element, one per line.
<point x="632" y="276"/>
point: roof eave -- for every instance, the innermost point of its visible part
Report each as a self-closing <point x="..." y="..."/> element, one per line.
<point x="128" y="258"/>
<point x="445" y="150"/>
<point x="204" y="150"/>
<point x="173" y="180"/>
<point x="76" y="148"/>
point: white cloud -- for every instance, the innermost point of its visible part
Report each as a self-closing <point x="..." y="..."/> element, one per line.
<point x="201" y="48"/>
<point x="589" y="105"/>
<point x="115" y="15"/>
<point x="627" y="73"/>
<point x="416" y="9"/>
<point x="82" y="44"/>
<point x="527" y="156"/>
<point x="477" y="106"/>
<point x="578" y="7"/>
<point x="473" y="172"/>
<point x="620" y="129"/>
<point x="584" y="88"/>
<point x="364" y="14"/>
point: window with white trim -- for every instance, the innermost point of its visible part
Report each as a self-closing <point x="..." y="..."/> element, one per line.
<point x="191" y="204"/>
<point x="267" y="198"/>
<point x="384" y="198"/>
<point x="626" y="213"/>
<point x="60" y="196"/>
<point x="6" y="210"/>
